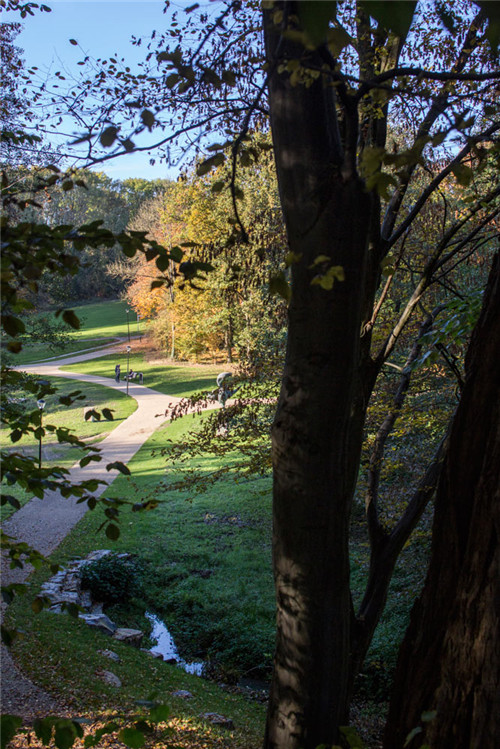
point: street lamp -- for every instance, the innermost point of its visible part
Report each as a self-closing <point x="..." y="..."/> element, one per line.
<point x="128" y="368"/>
<point x="138" y="328"/>
<point x="128" y="324"/>
<point x="41" y="405"/>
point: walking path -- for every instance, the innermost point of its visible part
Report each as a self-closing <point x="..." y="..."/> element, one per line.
<point x="43" y="524"/>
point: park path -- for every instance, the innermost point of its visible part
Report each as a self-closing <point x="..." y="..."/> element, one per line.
<point x="43" y="524"/>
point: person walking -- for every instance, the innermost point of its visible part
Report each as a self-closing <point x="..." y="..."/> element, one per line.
<point x="117" y="373"/>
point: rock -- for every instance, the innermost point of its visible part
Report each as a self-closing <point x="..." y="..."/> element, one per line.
<point x="218" y="720"/>
<point x="108" y="677"/>
<point x="156" y="654"/>
<point x="100" y="621"/>
<point x="183" y="694"/>
<point x="110" y="654"/>
<point x="130" y="636"/>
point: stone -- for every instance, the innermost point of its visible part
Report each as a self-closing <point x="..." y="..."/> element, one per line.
<point x="218" y="720"/>
<point x="183" y="694"/>
<point x="156" y="654"/>
<point x="110" y="654"/>
<point x="130" y="636"/>
<point x="108" y="677"/>
<point x="100" y="621"/>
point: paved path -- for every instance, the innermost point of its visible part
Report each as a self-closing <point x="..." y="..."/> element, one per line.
<point x="45" y="523"/>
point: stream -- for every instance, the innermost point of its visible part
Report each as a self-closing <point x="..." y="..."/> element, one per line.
<point x="165" y="645"/>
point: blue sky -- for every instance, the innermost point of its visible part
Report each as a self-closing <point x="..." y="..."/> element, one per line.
<point x="102" y="28"/>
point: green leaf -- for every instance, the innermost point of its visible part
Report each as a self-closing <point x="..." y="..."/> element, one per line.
<point x="492" y="13"/>
<point x="338" y="39"/>
<point x="162" y="263"/>
<point x="394" y="16"/>
<point x="9" y="726"/>
<point x="148" y="118"/>
<point x="8" y="637"/>
<point x="315" y="17"/>
<point x="132" y="737"/>
<point x="108" y="136"/>
<point x="280" y="286"/>
<point x="12" y="325"/>
<point x="412" y="735"/>
<point x="159" y="713"/>
<point x="118" y="466"/>
<point x="112" y="532"/>
<point x="71" y="319"/>
<point x="43" y="729"/>
<point x="37" y="605"/>
<point x="64" y="735"/>
<point x="352" y="736"/>
<point x="326" y="280"/>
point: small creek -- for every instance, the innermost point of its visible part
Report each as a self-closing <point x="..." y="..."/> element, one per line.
<point x="165" y="645"/>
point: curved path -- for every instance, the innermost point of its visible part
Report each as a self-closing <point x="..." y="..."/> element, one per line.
<point x="44" y="523"/>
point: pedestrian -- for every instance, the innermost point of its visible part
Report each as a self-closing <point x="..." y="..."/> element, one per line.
<point x="141" y="378"/>
<point x="117" y="373"/>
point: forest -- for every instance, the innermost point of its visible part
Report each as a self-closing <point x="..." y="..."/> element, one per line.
<point x="332" y="240"/>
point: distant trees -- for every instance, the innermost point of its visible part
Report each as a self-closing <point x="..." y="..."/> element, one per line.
<point x="231" y="310"/>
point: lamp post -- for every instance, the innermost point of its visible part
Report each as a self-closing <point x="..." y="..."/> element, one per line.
<point x="128" y="324"/>
<point x="41" y="405"/>
<point x="128" y="368"/>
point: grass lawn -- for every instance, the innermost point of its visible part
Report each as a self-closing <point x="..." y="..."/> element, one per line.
<point x="58" y="415"/>
<point x="207" y="573"/>
<point x="102" y="320"/>
<point x="100" y="323"/>
<point x="226" y="532"/>
<point x="176" y="380"/>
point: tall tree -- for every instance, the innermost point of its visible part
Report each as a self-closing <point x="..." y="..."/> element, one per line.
<point x="449" y="665"/>
<point x="329" y="127"/>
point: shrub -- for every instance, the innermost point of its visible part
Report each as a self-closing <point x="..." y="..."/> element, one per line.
<point x="112" y="579"/>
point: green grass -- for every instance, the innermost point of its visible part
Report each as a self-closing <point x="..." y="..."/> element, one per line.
<point x="100" y="323"/>
<point x="169" y="379"/>
<point x="105" y="320"/>
<point x="38" y="352"/>
<point x="207" y="561"/>
<point x="57" y="415"/>
<point x="227" y="531"/>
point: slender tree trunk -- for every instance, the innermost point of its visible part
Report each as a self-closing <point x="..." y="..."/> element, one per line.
<point x="327" y="213"/>
<point x="450" y="658"/>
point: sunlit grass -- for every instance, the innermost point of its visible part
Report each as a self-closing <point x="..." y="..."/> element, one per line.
<point x="169" y="379"/>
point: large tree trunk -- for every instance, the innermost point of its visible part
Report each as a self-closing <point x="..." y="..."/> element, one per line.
<point x="327" y="212"/>
<point x="450" y="658"/>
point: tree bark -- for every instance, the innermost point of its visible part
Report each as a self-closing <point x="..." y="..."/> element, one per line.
<point x="326" y="213"/>
<point x="450" y="658"/>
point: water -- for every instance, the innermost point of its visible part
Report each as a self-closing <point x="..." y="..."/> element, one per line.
<point x="166" y="646"/>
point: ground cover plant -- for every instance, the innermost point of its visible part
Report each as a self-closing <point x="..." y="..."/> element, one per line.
<point x="70" y="417"/>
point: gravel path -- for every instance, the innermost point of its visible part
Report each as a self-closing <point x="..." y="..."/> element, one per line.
<point x="44" y="523"/>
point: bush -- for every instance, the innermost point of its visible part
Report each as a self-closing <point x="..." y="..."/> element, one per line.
<point x="112" y="579"/>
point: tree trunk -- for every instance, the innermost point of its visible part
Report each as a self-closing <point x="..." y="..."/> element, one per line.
<point x="327" y="213"/>
<point x="450" y="658"/>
